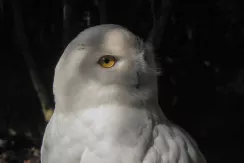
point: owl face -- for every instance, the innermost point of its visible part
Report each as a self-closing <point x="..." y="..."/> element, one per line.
<point x="105" y="61"/>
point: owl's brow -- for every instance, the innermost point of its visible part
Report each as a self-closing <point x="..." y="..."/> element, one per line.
<point x="80" y="46"/>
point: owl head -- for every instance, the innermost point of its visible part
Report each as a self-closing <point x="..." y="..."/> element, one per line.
<point x="105" y="64"/>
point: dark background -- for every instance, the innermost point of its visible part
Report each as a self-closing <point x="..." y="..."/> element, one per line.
<point x="199" y="46"/>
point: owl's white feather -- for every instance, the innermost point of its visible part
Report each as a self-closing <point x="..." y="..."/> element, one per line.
<point x="111" y="115"/>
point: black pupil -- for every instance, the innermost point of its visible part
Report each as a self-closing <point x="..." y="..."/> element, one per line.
<point x="106" y="60"/>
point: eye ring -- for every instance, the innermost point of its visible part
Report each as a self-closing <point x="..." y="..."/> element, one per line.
<point x="107" y="61"/>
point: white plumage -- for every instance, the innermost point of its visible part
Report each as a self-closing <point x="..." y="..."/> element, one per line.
<point x="111" y="114"/>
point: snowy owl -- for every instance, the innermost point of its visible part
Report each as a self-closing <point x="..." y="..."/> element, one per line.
<point x="106" y="106"/>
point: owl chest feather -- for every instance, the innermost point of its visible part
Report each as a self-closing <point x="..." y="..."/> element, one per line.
<point x="98" y="131"/>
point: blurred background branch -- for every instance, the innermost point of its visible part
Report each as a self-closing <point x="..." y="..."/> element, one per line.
<point x="22" y="43"/>
<point x="160" y="16"/>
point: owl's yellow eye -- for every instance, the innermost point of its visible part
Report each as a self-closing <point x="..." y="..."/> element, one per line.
<point x="107" y="61"/>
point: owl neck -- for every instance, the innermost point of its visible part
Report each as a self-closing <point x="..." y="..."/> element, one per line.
<point x="92" y="97"/>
